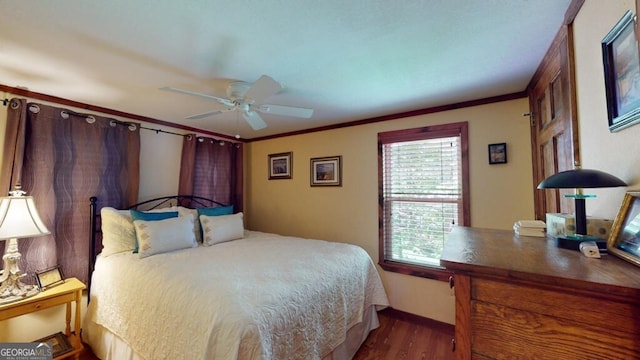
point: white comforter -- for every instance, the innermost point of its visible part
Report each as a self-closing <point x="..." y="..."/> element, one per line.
<point x="261" y="297"/>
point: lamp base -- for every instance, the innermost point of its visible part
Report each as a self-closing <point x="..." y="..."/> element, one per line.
<point x="11" y="287"/>
<point x="572" y="242"/>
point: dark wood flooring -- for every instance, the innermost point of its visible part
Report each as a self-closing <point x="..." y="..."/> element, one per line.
<point x="399" y="336"/>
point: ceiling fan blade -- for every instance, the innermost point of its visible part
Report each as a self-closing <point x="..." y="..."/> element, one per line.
<point x="254" y="120"/>
<point x="285" y="110"/>
<point x="224" y="101"/>
<point x="204" y="115"/>
<point x="264" y="87"/>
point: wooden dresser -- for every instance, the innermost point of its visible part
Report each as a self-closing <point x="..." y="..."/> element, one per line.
<point x="524" y="298"/>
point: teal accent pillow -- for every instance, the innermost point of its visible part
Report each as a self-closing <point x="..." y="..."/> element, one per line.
<point x="216" y="211"/>
<point x="149" y="216"/>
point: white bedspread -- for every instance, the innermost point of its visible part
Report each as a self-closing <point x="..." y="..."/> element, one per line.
<point x="261" y="297"/>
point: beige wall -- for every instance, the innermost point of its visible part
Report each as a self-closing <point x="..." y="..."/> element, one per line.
<point x="616" y="153"/>
<point x="159" y="163"/>
<point x="500" y="194"/>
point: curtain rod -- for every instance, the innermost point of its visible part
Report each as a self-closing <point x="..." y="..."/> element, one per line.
<point x="163" y="131"/>
<point x="91" y="119"/>
<point x="76" y="104"/>
<point x="157" y="131"/>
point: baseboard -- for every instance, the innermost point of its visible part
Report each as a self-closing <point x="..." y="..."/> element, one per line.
<point x="419" y="320"/>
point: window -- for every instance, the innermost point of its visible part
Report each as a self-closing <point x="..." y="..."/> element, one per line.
<point x="423" y="193"/>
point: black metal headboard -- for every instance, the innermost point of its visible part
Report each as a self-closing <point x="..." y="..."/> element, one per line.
<point x="95" y="245"/>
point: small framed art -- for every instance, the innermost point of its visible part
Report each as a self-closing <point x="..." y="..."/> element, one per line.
<point x="58" y="342"/>
<point x="624" y="238"/>
<point x="498" y="153"/>
<point x="622" y="73"/>
<point x="280" y="166"/>
<point x="49" y="277"/>
<point x="326" y="171"/>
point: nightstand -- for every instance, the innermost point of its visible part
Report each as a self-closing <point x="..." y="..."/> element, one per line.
<point x="66" y="293"/>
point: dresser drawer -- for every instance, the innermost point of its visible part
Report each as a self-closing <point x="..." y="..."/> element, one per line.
<point x="525" y="322"/>
<point x="582" y="308"/>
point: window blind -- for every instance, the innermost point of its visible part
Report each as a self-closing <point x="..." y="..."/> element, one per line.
<point x="422" y="197"/>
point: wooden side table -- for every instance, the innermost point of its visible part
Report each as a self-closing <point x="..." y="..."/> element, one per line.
<point x="66" y="293"/>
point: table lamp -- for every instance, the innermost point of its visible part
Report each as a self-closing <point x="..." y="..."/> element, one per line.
<point x="579" y="179"/>
<point x="18" y="219"/>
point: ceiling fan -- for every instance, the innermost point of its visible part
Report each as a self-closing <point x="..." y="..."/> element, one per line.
<point x="248" y="99"/>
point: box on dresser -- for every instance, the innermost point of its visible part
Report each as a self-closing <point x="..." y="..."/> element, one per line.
<point x="565" y="224"/>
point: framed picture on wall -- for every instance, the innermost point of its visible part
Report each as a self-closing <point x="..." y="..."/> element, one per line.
<point x="280" y="166"/>
<point x="326" y="171"/>
<point x="622" y="73"/>
<point x="498" y="153"/>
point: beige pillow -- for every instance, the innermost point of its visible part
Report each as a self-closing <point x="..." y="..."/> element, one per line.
<point x="161" y="236"/>
<point x="221" y="228"/>
<point x="118" y="234"/>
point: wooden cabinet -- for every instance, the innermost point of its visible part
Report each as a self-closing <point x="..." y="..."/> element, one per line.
<point x="70" y="291"/>
<point x="524" y="298"/>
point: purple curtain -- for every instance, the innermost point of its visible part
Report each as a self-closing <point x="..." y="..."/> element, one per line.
<point x="213" y="169"/>
<point x="69" y="157"/>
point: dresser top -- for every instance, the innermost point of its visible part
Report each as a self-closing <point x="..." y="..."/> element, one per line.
<point x="502" y="253"/>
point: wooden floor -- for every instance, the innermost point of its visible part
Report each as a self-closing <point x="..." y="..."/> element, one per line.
<point x="403" y="336"/>
<point x="398" y="337"/>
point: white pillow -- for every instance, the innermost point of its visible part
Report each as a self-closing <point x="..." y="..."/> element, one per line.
<point x="183" y="211"/>
<point x="221" y="228"/>
<point x="156" y="237"/>
<point x="118" y="234"/>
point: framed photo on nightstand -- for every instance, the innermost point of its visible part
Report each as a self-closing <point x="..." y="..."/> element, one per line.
<point x="49" y="277"/>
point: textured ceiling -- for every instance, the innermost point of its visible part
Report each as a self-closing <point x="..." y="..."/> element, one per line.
<point x="348" y="60"/>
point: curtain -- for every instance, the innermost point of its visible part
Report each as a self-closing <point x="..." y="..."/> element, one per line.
<point x="65" y="159"/>
<point x="212" y="169"/>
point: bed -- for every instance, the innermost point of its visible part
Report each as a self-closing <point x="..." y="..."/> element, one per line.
<point x="223" y="292"/>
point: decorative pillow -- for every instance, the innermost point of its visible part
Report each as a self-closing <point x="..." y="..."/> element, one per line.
<point x="221" y="228"/>
<point x="152" y="215"/>
<point x="184" y="211"/>
<point x="149" y="216"/>
<point x="161" y="236"/>
<point x="118" y="234"/>
<point x="216" y="211"/>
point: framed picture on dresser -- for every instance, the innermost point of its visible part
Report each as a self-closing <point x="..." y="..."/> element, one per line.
<point x="624" y="239"/>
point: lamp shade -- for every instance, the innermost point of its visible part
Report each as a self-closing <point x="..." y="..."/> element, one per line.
<point x="19" y="218"/>
<point x="580" y="178"/>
